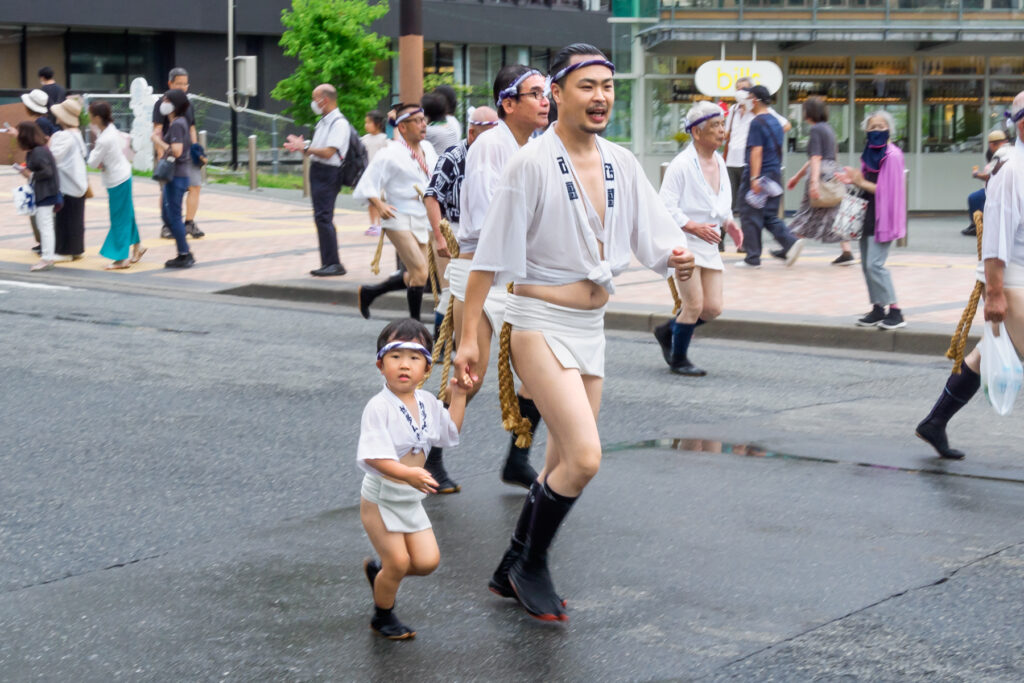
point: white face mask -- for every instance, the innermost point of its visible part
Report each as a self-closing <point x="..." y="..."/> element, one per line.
<point x="315" y="106"/>
<point x="748" y="102"/>
<point x="166" y="108"/>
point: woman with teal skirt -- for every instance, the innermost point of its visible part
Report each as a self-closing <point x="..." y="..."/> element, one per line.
<point x="123" y="245"/>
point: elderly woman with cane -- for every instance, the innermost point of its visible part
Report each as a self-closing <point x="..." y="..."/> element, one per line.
<point x="697" y="193"/>
<point x="885" y="220"/>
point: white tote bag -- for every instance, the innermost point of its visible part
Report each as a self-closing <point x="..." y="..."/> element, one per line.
<point x="25" y="200"/>
<point x="849" y="222"/>
<point x="1001" y="371"/>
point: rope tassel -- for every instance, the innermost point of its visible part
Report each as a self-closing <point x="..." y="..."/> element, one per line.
<point x="959" y="341"/>
<point x="445" y="342"/>
<point x="511" y="419"/>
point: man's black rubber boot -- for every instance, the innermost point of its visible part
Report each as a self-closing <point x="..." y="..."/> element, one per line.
<point x="414" y="297"/>
<point x="385" y="623"/>
<point x="435" y="466"/>
<point x="663" y="333"/>
<point x="498" y="583"/>
<point x="959" y="389"/>
<point x="529" y="575"/>
<point x="367" y="293"/>
<point x="517" y="470"/>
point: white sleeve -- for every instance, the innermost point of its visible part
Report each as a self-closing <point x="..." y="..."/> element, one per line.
<point x="783" y="121"/>
<point x="61" y="145"/>
<point x="99" y="152"/>
<point x="374" y="439"/>
<point x="654" y="232"/>
<point x="483" y="174"/>
<point x="337" y="137"/>
<point x="371" y="184"/>
<point x="447" y="435"/>
<point x="672" y="188"/>
<point x="502" y="245"/>
<point x="1002" y="214"/>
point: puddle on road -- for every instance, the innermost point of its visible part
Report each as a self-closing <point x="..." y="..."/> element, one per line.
<point x="714" y="447"/>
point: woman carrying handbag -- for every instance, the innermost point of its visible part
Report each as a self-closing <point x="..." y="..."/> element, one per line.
<point x="885" y="216"/>
<point x="822" y="192"/>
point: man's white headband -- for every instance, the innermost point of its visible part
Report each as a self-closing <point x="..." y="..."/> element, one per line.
<point x="413" y="346"/>
<point x="513" y="89"/>
<point x="411" y="112"/>
<point x="579" y="65"/>
<point x="483" y="123"/>
<point x="693" y="124"/>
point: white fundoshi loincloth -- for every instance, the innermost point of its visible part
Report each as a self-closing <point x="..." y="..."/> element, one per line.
<point x="400" y="505"/>
<point x="494" y="306"/>
<point x="575" y="336"/>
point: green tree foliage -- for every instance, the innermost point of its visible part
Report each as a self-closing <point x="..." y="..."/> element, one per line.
<point x="331" y="41"/>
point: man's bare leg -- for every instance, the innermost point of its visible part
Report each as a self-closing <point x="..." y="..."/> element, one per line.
<point x="414" y="256"/>
<point x="569" y="403"/>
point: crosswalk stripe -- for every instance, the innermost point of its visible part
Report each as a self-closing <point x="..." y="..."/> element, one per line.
<point x="33" y="285"/>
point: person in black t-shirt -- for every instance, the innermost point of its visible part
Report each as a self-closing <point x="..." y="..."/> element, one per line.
<point x="177" y="79"/>
<point x="54" y="90"/>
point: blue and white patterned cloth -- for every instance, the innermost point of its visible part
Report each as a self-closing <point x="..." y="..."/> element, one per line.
<point x="446" y="182"/>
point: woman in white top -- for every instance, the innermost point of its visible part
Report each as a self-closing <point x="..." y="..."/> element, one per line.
<point x="69" y="152"/>
<point x="108" y="156"/>
<point x="697" y="193"/>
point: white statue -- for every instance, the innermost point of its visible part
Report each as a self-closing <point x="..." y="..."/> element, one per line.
<point x="142" y="101"/>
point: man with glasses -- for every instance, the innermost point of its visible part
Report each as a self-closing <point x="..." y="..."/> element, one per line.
<point x="737" y="125"/>
<point x="394" y="184"/>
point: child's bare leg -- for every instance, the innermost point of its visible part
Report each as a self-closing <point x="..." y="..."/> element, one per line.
<point x="394" y="565"/>
<point x="424" y="555"/>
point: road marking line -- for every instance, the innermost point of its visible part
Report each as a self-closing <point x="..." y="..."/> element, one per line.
<point x="33" y="285"/>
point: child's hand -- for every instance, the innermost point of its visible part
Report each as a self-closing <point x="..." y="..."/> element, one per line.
<point x="420" y="479"/>
<point x="456" y="389"/>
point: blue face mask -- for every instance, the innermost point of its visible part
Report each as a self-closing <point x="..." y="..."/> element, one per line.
<point x="878" y="138"/>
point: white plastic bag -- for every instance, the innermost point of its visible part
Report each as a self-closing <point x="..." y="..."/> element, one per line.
<point x="24" y="200"/>
<point x="1001" y="371"/>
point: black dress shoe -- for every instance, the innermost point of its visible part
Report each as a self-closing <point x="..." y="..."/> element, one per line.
<point x="181" y="261"/>
<point x="970" y="231"/>
<point x="327" y="271"/>
<point x="686" y="368"/>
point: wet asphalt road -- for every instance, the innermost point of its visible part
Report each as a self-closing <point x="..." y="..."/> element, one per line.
<point x="180" y="503"/>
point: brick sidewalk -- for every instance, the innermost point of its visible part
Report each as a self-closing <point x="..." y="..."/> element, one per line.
<point x="256" y="238"/>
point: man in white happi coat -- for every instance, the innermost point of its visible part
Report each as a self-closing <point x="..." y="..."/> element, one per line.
<point x="520" y="95"/>
<point x="394" y="183"/>
<point x="1002" y="270"/>
<point x="569" y="212"/>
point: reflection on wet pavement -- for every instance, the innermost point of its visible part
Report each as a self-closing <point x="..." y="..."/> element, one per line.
<point x="755" y="451"/>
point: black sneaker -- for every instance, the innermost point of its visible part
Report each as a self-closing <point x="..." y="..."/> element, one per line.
<point x="970" y="231"/>
<point x="165" y="233"/>
<point x="193" y="230"/>
<point x="779" y="253"/>
<point x="844" y="259"/>
<point x="873" y="318"/>
<point x="181" y="261"/>
<point x="894" y="320"/>
<point x="38" y="249"/>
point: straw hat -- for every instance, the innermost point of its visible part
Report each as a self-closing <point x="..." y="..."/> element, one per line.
<point x="67" y="112"/>
<point x="36" y="100"/>
<point x="996" y="136"/>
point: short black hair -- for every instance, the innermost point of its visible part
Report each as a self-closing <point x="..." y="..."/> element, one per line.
<point x="761" y="94"/>
<point x="405" y="329"/>
<point x="815" y="109"/>
<point x="449" y="95"/>
<point x="179" y="99"/>
<point x="506" y="77"/>
<point x="46" y="72"/>
<point x="435" y="107"/>
<point x="377" y="117"/>
<point x="565" y="55"/>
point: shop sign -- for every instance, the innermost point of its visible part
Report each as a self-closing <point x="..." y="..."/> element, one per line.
<point x="718" y="77"/>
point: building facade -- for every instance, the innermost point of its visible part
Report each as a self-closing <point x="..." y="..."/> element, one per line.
<point x="945" y="69"/>
<point x="101" y="47"/>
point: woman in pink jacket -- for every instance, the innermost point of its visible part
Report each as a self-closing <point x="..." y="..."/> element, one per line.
<point x="881" y="177"/>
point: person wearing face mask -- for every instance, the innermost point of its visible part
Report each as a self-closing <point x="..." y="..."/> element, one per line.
<point x="401" y="173"/>
<point x="885" y="220"/>
<point x="177" y="143"/>
<point x="68" y="149"/>
<point x="737" y="125"/>
<point x="326" y="151"/>
<point x="177" y="79"/>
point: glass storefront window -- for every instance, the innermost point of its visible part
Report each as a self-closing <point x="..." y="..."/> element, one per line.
<point x="622" y="47"/>
<point x="620" y="128"/>
<point x="668" y="100"/>
<point x="836" y="94"/>
<point x="1006" y="66"/>
<point x="951" y="116"/>
<point x="890" y="94"/>
<point x="819" y="66"/>
<point x="445" y="59"/>
<point x="1001" y="92"/>
<point x="540" y="58"/>
<point x="952" y="66"/>
<point x="666" y="65"/>
<point x="881" y="66"/>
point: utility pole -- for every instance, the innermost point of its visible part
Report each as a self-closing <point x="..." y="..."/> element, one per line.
<point x="410" y="50"/>
<point x="231" y="85"/>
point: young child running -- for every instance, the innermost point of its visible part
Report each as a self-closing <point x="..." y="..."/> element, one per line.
<point x="398" y="428"/>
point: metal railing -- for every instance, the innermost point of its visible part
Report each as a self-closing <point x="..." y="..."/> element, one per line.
<point x="886" y="9"/>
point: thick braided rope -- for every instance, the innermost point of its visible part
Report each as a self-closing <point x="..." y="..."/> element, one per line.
<point x="375" y="263"/>
<point x="677" y="303"/>
<point x="511" y="419"/>
<point x="959" y="341"/>
<point x="446" y="334"/>
<point x="432" y="271"/>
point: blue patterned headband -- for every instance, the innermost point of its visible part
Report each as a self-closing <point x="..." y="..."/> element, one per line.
<point x="579" y="65"/>
<point x="693" y="124"/>
<point x="413" y="346"/>
<point x="513" y="89"/>
<point x="411" y="112"/>
<point x="1014" y="117"/>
